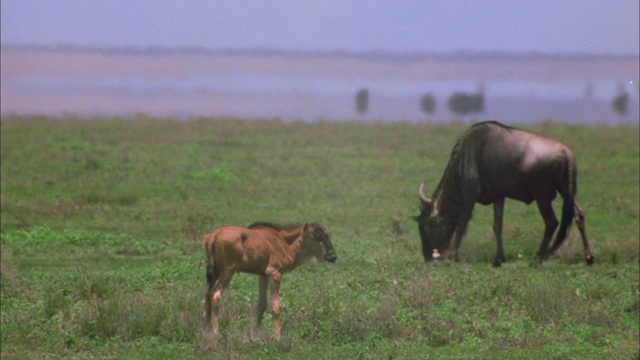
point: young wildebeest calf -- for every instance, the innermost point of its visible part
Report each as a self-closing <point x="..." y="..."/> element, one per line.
<point x="264" y="249"/>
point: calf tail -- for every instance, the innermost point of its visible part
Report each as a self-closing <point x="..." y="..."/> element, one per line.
<point x="211" y="271"/>
<point x="212" y="275"/>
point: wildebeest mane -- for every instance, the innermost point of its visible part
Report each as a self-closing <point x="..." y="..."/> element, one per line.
<point x="453" y="158"/>
<point x="492" y="123"/>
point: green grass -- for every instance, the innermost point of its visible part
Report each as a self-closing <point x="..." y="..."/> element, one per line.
<point x="102" y="223"/>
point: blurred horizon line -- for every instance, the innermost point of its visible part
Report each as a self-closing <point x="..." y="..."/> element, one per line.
<point x="375" y="55"/>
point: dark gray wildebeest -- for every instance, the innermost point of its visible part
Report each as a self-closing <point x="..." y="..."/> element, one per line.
<point x="264" y="249"/>
<point x="489" y="163"/>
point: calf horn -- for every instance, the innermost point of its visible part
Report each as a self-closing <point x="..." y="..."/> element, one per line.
<point x="421" y="194"/>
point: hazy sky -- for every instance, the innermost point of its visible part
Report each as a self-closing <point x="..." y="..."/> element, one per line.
<point x="406" y="26"/>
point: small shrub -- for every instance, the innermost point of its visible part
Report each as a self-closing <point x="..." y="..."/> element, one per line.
<point x="620" y="104"/>
<point x="362" y="101"/>
<point x="111" y="199"/>
<point x="43" y="234"/>
<point x="213" y="175"/>
<point x="428" y="103"/>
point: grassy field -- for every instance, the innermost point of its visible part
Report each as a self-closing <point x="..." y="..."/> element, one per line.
<point x="102" y="222"/>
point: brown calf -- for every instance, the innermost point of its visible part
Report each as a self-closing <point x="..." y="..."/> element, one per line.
<point x="263" y="249"/>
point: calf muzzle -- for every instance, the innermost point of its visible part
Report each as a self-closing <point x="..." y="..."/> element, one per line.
<point x="331" y="256"/>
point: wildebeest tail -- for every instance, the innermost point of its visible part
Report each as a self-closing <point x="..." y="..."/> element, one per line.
<point x="568" y="207"/>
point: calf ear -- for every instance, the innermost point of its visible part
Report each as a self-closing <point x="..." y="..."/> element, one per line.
<point x="306" y="228"/>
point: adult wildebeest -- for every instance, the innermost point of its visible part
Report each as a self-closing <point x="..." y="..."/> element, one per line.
<point x="264" y="249"/>
<point x="489" y="163"/>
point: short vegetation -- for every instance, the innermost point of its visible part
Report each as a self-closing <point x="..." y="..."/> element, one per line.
<point x="101" y="241"/>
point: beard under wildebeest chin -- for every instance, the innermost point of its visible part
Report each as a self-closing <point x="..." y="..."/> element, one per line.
<point x="434" y="234"/>
<point x="435" y="229"/>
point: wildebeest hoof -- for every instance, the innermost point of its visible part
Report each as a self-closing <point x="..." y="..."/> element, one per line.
<point x="449" y="255"/>
<point x="590" y="259"/>
<point x="499" y="260"/>
<point x="536" y="262"/>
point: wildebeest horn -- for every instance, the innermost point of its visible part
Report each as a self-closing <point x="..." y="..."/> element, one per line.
<point x="421" y="194"/>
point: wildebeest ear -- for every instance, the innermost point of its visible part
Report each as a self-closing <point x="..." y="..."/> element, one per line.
<point x="421" y="218"/>
<point x="425" y="207"/>
<point x="306" y="228"/>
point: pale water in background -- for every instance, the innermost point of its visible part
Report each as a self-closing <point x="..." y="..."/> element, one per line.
<point x="94" y="88"/>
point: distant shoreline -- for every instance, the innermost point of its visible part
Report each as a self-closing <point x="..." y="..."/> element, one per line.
<point x="92" y="62"/>
<point x="375" y="55"/>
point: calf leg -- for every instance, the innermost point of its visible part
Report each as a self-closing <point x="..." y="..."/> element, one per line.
<point x="216" y="295"/>
<point x="212" y="280"/>
<point x="262" y="300"/>
<point x="207" y="302"/>
<point x="276" y="304"/>
<point x="579" y="216"/>
<point x="498" y="211"/>
<point x="550" y="226"/>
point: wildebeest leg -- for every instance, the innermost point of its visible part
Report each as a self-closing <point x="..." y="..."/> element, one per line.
<point x="579" y="215"/>
<point x="276" y="304"/>
<point x="461" y="228"/>
<point x="498" y="211"/>
<point x="550" y="225"/>
<point x="262" y="300"/>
